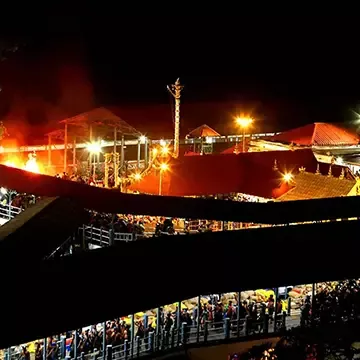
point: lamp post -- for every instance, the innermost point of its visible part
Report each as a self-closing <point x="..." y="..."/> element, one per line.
<point x="163" y="167"/>
<point x="142" y="140"/>
<point x="244" y="123"/>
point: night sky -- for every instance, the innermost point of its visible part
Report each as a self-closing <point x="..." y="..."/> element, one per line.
<point x="285" y="73"/>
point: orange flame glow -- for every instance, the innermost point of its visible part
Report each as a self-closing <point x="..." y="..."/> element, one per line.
<point x="10" y="164"/>
<point x="32" y="166"/>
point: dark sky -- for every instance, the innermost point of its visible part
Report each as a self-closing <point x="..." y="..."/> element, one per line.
<point x="299" y="70"/>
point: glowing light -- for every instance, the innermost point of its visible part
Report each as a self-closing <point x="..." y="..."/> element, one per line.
<point x="164" y="167"/>
<point x="137" y="176"/>
<point x="162" y="142"/>
<point x="339" y="160"/>
<point x="32" y="166"/>
<point x="94" y="148"/>
<point x="288" y="177"/>
<point x="154" y="151"/>
<point x="244" y="122"/>
<point x="3" y="191"/>
<point x="164" y="150"/>
<point x="142" y="139"/>
<point x="10" y="164"/>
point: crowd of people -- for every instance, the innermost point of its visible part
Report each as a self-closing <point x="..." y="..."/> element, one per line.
<point x="131" y="223"/>
<point x="334" y="313"/>
<point x="333" y="304"/>
<point x="212" y="312"/>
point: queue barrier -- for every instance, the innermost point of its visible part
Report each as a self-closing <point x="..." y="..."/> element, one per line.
<point x="207" y="332"/>
<point x="103" y="237"/>
<point x="162" y="339"/>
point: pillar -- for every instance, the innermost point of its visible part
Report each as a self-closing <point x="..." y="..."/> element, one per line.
<point x="146" y="154"/>
<point x="65" y="146"/>
<point x="122" y="160"/>
<point x="115" y="139"/>
<point x="49" y="151"/>
<point x="116" y="169"/>
<point x="138" y="155"/>
<point x="74" y="153"/>
<point x="106" y="169"/>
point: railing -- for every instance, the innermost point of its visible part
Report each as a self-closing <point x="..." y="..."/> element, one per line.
<point x="102" y="237"/>
<point x="160" y="335"/>
<point x="8" y="212"/>
<point x="162" y="339"/>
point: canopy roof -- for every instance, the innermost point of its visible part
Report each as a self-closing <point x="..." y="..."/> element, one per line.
<point x="203" y="131"/>
<point x="101" y="117"/>
<point x="318" y="134"/>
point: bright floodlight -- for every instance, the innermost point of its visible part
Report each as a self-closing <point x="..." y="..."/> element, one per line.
<point x="244" y="122"/>
<point x="137" y="176"/>
<point x="142" y="139"/>
<point x="164" y="167"/>
<point x="288" y="177"/>
<point x="3" y="191"/>
<point x="165" y="150"/>
<point x="94" y="148"/>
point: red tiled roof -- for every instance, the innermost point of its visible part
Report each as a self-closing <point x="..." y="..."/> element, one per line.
<point x="318" y="134"/>
<point x="249" y="173"/>
<point x="203" y="131"/>
<point x="313" y="186"/>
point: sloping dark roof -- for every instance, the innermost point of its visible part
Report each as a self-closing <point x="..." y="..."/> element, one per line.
<point x="203" y="131"/>
<point x="318" y="134"/>
<point x="313" y="186"/>
<point x="115" y="202"/>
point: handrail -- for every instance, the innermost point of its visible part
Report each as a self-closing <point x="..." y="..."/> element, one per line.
<point x="8" y="212"/>
<point x="160" y="339"/>
<point x="103" y="237"/>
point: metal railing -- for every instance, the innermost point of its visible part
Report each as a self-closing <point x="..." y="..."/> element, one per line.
<point x="103" y="237"/>
<point x="8" y="212"/>
<point x="161" y="339"/>
<point x="159" y="335"/>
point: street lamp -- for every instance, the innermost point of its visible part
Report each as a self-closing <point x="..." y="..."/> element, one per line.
<point x="244" y="123"/>
<point x="163" y="167"/>
<point x="287" y="177"/>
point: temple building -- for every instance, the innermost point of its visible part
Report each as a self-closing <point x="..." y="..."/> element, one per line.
<point x="258" y="176"/>
<point x="308" y="185"/>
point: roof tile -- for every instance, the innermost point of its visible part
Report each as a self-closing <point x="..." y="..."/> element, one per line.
<point x="318" y="134"/>
<point x="313" y="186"/>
